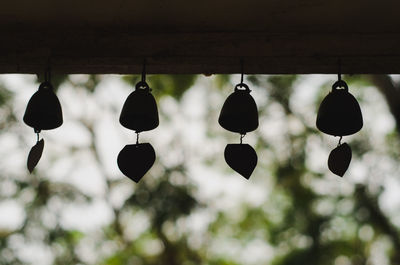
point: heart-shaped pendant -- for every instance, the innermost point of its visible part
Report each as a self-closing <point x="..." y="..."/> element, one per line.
<point x="242" y="158"/>
<point x="135" y="160"/>
<point x="339" y="159"/>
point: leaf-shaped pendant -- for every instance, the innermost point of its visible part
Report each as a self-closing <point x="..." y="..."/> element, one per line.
<point x="34" y="155"/>
<point x="339" y="159"/>
<point x="242" y="158"/>
<point x="135" y="160"/>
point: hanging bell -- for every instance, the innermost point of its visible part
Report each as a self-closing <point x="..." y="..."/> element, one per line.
<point x="339" y="113"/>
<point x="44" y="109"/>
<point x="139" y="112"/>
<point x="239" y="113"/>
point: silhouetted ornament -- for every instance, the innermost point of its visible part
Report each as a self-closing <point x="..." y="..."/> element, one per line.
<point x="239" y="113"/>
<point x="135" y="160"/>
<point x="339" y="159"/>
<point x="44" y="109"/>
<point x="242" y="158"/>
<point x="139" y="112"/>
<point x="43" y="112"/>
<point x="34" y="155"/>
<point x="339" y="113"/>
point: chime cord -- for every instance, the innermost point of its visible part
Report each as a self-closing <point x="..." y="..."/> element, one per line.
<point x="137" y="138"/>
<point x="144" y="71"/>
<point x="340" y="79"/>
<point x="340" y="141"/>
<point x="241" y="71"/>
<point x="47" y="75"/>
<point x="242" y="135"/>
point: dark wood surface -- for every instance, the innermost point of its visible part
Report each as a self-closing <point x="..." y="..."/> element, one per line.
<point x="204" y="37"/>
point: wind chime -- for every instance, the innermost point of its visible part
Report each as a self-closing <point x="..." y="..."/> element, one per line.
<point x="339" y="115"/>
<point x="43" y="112"/>
<point x="139" y="114"/>
<point x="239" y="114"/>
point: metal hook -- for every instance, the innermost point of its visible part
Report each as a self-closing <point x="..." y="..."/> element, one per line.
<point x="37" y="137"/>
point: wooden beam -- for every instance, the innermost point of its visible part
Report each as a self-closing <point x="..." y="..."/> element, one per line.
<point x="122" y="52"/>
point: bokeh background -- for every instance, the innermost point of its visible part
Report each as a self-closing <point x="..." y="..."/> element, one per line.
<point x="191" y="208"/>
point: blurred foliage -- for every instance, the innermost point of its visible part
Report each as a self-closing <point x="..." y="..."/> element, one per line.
<point x="296" y="222"/>
<point x="5" y="95"/>
<point x="57" y="79"/>
<point x="6" y="109"/>
<point x="165" y="85"/>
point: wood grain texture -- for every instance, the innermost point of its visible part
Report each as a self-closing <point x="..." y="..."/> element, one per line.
<point x="183" y="37"/>
<point x="199" y="53"/>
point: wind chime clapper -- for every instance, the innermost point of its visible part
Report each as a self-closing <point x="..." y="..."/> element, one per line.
<point x="43" y="112"/>
<point x="239" y="114"/>
<point x="339" y="115"/>
<point x="139" y="114"/>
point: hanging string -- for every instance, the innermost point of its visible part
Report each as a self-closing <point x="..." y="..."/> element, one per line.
<point x="144" y="71"/>
<point x="339" y="70"/>
<point x="340" y="141"/>
<point x="47" y="75"/>
<point x="242" y="135"/>
<point x="47" y="72"/>
<point x="37" y="136"/>
<point x="241" y="71"/>
<point x="137" y="138"/>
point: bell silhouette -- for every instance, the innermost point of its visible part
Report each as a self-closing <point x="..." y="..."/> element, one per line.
<point x="339" y="113"/>
<point x="239" y="113"/>
<point x="139" y="112"/>
<point x="44" y="109"/>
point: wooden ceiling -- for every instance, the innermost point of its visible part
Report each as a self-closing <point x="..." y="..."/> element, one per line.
<point x="200" y="37"/>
